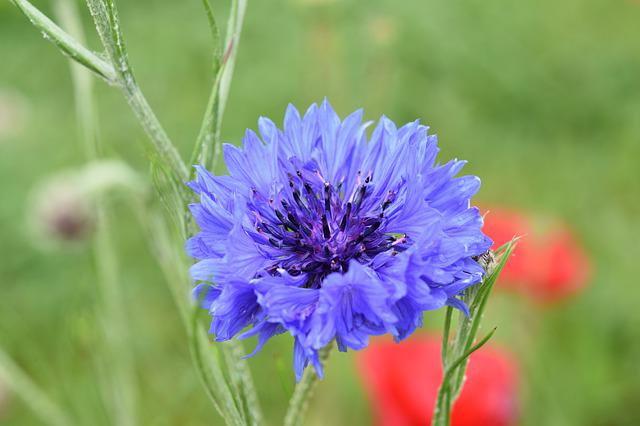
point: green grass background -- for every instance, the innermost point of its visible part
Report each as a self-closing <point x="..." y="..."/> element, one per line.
<point x="542" y="98"/>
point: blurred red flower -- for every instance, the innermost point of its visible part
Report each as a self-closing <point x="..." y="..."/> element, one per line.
<point x="402" y="381"/>
<point x="546" y="266"/>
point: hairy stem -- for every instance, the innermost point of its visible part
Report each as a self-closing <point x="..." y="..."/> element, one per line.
<point x="116" y="71"/>
<point x="304" y="390"/>
<point x="106" y="19"/>
<point x="66" y="43"/>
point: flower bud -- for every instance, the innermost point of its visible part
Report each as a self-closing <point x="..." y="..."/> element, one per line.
<point x="62" y="212"/>
<point x="63" y="207"/>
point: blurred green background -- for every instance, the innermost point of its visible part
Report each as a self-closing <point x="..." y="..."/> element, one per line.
<point x="542" y="98"/>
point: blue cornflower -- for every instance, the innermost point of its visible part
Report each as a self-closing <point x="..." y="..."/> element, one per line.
<point x="327" y="236"/>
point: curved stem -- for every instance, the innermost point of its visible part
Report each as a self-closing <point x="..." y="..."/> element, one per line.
<point x="65" y="42"/>
<point x="304" y="390"/>
<point x="105" y="17"/>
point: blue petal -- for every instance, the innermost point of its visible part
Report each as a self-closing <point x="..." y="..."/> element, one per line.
<point x="243" y="257"/>
<point x="213" y="270"/>
<point x="205" y="294"/>
<point x="300" y="359"/>
<point x="289" y="306"/>
<point x="352" y="306"/>
<point x="265" y="330"/>
<point x="455" y="195"/>
<point x="460" y="305"/>
<point x="234" y="309"/>
<point x="238" y="165"/>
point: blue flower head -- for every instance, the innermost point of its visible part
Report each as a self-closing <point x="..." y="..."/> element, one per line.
<point x="326" y="235"/>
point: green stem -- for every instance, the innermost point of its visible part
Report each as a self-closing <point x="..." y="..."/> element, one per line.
<point x="447" y="394"/>
<point x="168" y="171"/>
<point x="162" y="145"/>
<point x="118" y="72"/>
<point x="304" y="390"/>
<point x="105" y="16"/>
<point x="478" y="305"/>
<point x="464" y="338"/>
<point x="445" y="333"/>
<point x="70" y="46"/>
<point x="232" y="41"/>
<point x="446" y="412"/>
<point x="238" y="369"/>
<point x="115" y="353"/>
<point x="207" y="363"/>
<point x="454" y="369"/>
<point x="206" y="357"/>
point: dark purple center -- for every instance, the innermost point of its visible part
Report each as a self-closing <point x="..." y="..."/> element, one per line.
<point x="318" y="230"/>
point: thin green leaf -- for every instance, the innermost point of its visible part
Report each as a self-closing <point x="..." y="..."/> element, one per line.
<point x="502" y="248"/>
<point x="204" y="142"/>
<point x="215" y="35"/>
<point x="232" y="41"/>
<point x="233" y="379"/>
<point x="485" y="289"/>
<point x="447" y="393"/>
<point x="458" y="361"/>
<point x="476" y="298"/>
<point x="206" y="137"/>
<point x="210" y="130"/>
<point x="477" y="308"/>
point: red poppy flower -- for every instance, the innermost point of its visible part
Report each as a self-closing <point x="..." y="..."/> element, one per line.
<point x="402" y="381"/>
<point x="546" y="265"/>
